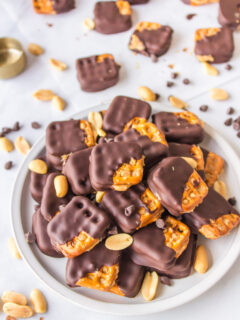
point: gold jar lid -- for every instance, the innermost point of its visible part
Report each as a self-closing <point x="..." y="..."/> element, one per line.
<point x="12" y="58"/>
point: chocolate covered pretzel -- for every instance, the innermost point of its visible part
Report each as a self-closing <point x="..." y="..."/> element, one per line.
<point x="198" y="2"/>
<point x="214" y="45"/>
<point x="122" y="110"/>
<point x="229" y="13"/>
<point x="178" y="185"/>
<point x="116" y="165"/>
<point x="150" y="39"/>
<point x="37" y="183"/>
<point x="132" y="2"/>
<point x="214" y="218"/>
<point x="97" y="72"/>
<point x="78" y="228"/>
<point x="148" y="137"/>
<point x="213" y="166"/>
<point x="132" y="209"/>
<point x="181" y="127"/>
<point x="112" y="16"/>
<point x="53" y="6"/>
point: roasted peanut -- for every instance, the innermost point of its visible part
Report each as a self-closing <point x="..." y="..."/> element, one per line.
<point x="177" y="103"/>
<point x="219" y="94"/>
<point x="17" y="311"/>
<point x="146" y="94"/>
<point x="43" y="95"/>
<point x="38" y="301"/>
<point x="6" y="145"/>
<point x="119" y="241"/>
<point x="58" y="65"/>
<point x="220" y="187"/>
<point x="22" y="145"/>
<point x="150" y="285"/>
<point x="99" y="196"/>
<point x="191" y="161"/>
<point x="15" y="297"/>
<point x="210" y="70"/>
<point x="96" y="120"/>
<point x="61" y="186"/>
<point x="58" y="103"/>
<point x="89" y="24"/>
<point x="35" y="49"/>
<point x="39" y="166"/>
<point x="201" y="260"/>
<point x="13" y="249"/>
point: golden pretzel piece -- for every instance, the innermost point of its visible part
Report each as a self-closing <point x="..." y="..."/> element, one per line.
<point x="220" y="227"/>
<point x="145" y="25"/>
<point x="213" y="168"/>
<point x="78" y="245"/>
<point x="124" y="7"/>
<point x="176" y="235"/>
<point x="43" y="7"/>
<point x="103" y="279"/>
<point x="128" y="174"/>
<point x="198" y="156"/>
<point x="136" y="44"/>
<point x="86" y="126"/>
<point x="194" y="193"/>
<point x="104" y="56"/>
<point x="190" y="117"/>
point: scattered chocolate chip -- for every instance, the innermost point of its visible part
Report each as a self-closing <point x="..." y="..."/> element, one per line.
<point x="49" y="25"/>
<point x="190" y="16"/>
<point x="113" y="230"/>
<point x="203" y="108"/>
<point x="228" y="122"/>
<point x="157" y="96"/>
<point x="35" y="125"/>
<point x="238" y="134"/>
<point x="230" y="110"/>
<point x="186" y="81"/>
<point x="174" y="75"/>
<point x="6" y="130"/>
<point x="30" y="237"/>
<point x="228" y="67"/>
<point x="165" y="280"/>
<point x="8" y="165"/>
<point x="170" y="84"/>
<point x="232" y="201"/>
<point x="129" y="210"/>
<point x="196" y="183"/>
<point x="160" y="223"/>
<point x="236" y="126"/>
<point x="16" y="126"/>
<point x="154" y="58"/>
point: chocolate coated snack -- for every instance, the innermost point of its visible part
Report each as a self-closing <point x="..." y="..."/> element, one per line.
<point x="78" y="228"/>
<point x="181" y="127"/>
<point x="132" y="209"/>
<point x="151" y="39"/>
<point x="198" y="2"/>
<point x="97" y="73"/>
<point x="229" y="13"/>
<point x="214" y="218"/>
<point x="116" y="165"/>
<point x="122" y="110"/>
<point x="112" y="16"/>
<point x="76" y="169"/>
<point x="96" y="269"/>
<point x="39" y="225"/>
<point x="137" y="1"/>
<point x="213" y="166"/>
<point x="37" y="183"/>
<point x="50" y="202"/>
<point x="177" y="184"/>
<point x="214" y="45"/>
<point x="148" y="137"/>
<point x="53" y="6"/>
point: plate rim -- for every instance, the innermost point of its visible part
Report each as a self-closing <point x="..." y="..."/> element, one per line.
<point x="103" y="306"/>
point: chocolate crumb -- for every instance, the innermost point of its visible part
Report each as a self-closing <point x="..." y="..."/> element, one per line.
<point x="228" y="122"/>
<point x="230" y="110"/>
<point x="129" y="210"/>
<point x="228" y="67"/>
<point x="160" y="223"/>
<point x="186" y="81"/>
<point x="35" y="125"/>
<point x="236" y="125"/>
<point x="203" y="108"/>
<point x="30" y="237"/>
<point x="49" y="25"/>
<point x="154" y="58"/>
<point x="8" y="165"/>
<point x="157" y="96"/>
<point x="190" y="16"/>
<point x="196" y="183"/>
<point x="16" y="126"/>
<point x="174" y="75"/>
<point x="170" y="84"/>
<point x="6" y="130"/>
<point x="165" y="280"/>
<point x="113" y="230"/>
<point x="232" y="201"/>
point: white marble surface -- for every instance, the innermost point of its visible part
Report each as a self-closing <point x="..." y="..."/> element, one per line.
<point x="67" y="40"/>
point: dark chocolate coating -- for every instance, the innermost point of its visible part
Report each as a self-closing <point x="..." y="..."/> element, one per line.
<point x="212" y="207"/>
<point x="149" y="249"/>
<point x="180" y="150"/>
<point x="122" y="110"/>
<point x="76" y="169"/>
<point x="168" y="180"/>
<point x="130" y="276"/>
<point x="96" y="76"/>
<point x="220" y="46"/>
<point x="89" y="262"/>
<point x="177" y="129"/>
<point x="186" y="1"/>
<point x="107" y="158"/>
<point x="229" y="14"/>
<point x="50" y="202"/>
<point x="54" y="161"/>
<point x="61" y="6"/>
<point x="37" y="183"/>
<point x="64" y="137"/>
<point x="156" y="42"/>
<point x="109" y="20"/>
<point x="39" y="225"/>
<point x="132" y="2"/>
<point x="115" y="203"/>
<point x="153" y="151"/>
<point x="80" y="214"/>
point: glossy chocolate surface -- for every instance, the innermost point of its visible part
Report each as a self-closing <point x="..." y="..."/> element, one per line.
<point x="61" y="6"/>
<point x="229" y="13"/>
<point x="37" y="183"/>
<point x="132" y="2"/>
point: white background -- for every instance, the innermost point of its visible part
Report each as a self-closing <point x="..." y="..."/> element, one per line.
<point x="66" y="40"/>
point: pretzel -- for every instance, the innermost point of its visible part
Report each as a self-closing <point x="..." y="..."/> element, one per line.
<point x="198" y="156"/>
<point x="176" y="235"/>
<point x="145" y="128"/>
<point x="103" y="279"/>
<point x="128" y="174"/>
<point x="115" y="289"/>
<point x="154" y="206"/>
<point x="220" y="227"/>
<point x="124" y="7"/>
<point x="213" y="168"/>
<point x="79" y="244"/>
<point x="89" y="133"/>
<point x="136" y="44"/>
<point x="194" y="193"/>
<point x="43" y="6"/>
<point x="190" y="117"/>
<point x="104" y="56"/>
<point x="202" y="2"/>
<point x="145" y="25"/>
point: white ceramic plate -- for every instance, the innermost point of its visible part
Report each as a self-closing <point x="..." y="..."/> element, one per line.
<point x="222" y="252"/>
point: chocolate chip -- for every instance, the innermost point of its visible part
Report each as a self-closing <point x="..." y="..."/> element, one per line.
<point x="129" y="210"/>
<point x="190" y="16"/>
<point x="6" y="130"/>
<point x="196" y="183"/>
<point x="228" y="67"/>
<point x="30" y="237"/>
<point x="174" y="75"/>
<point x="232" y="201"/>
<point x="186" y="81"/>
<point x="203" y="108"/>
<point x="154" y="58"/>
<point x="35" y="125"/>
<point x="170" y="84"/>
<point x="16" y="126"/>
<point x="49" y="25"/>
<point x="228" y="122"/>
<point x="8" y="165"/>
<point x="160" y="223"/>
<point x="230" y="110"/>
<point x="113" y="230"/>
<point x="236" y="126"/>
<point x="165" y="280"/>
